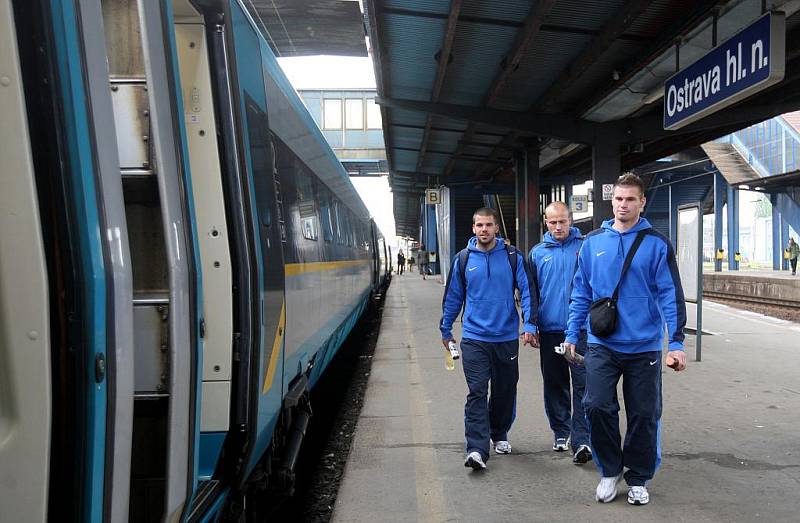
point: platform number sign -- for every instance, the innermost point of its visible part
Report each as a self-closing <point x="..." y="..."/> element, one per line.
<point x="432" y="196"/>
<point x="579" y="203"/>
<point x="608" y="191"/>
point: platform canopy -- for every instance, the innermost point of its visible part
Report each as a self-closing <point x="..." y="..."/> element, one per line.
<point x="310" y="27"/>
<point x="466" y="85"/>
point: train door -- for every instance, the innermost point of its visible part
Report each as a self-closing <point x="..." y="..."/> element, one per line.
<point x="83" y="231"/>
<point x="142" y="78"/>
<point x="257" y="156"/>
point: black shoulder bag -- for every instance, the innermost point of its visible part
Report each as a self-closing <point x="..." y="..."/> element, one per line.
<point x="603" y="312"/>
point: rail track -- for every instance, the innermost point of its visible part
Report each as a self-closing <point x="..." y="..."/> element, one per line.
<point x="752" y="300"/>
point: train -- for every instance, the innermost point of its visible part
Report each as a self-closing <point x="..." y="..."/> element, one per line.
<point x="181" y="257"/>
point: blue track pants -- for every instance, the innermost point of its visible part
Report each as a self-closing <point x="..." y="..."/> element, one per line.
<point x="567" y="419"/>
<point x="489" y="364"/>
<point x="641" y="387"/>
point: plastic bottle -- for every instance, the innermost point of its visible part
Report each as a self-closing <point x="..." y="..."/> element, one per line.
<point x="451" y="355"/>
<point x="449" y="364"/>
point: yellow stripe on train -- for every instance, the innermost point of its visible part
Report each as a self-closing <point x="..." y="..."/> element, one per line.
<point x="294" y="269"/>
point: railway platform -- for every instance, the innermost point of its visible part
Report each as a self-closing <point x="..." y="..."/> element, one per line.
<point x="731" y="450"/>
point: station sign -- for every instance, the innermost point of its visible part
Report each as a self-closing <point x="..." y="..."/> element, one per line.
<point x="579" y="203"/>
<point x="433" y="196"/>
<point x="746" y="63"/>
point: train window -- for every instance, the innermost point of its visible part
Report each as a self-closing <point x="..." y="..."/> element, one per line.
<point x="327" y="226"/>
<point x="354" y="113"/>
<point x="309" y="225"/>
<point x="332" y="113"/>
<point x="337" y="222"/>
<point x="373" y="114"/>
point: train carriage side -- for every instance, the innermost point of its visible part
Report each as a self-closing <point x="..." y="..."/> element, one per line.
<point x="235" y="258"/>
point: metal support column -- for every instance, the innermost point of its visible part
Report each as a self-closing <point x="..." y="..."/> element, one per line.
<point x="733" y="228"/>
<point x="673" y="219"/>
<point x="606" y="168"/>
<point x="529" y="223"/>
<point x="777" y="248"/>
<point x="719" y="201"/>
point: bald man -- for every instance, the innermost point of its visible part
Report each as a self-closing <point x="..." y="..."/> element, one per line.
<point x="553" y="263"/>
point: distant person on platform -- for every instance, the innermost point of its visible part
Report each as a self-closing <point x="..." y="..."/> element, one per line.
<point x="483" y="279"/>
<point x="793" y="251"/>
<point x="411" y="263"/>
<point x="650" y="295"/>
<point x="401" y="262"/>
<point x="423" y="261"/>
<point x="552" y="265"/>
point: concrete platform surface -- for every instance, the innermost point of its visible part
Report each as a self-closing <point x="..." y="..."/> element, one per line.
<point x="731" y="432"/>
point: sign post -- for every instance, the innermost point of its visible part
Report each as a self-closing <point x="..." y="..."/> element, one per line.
<point x="690" y="262"/>
<point x="748" y="62"/>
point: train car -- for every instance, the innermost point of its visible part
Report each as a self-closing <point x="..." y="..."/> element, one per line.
<point x="181" y="256"/>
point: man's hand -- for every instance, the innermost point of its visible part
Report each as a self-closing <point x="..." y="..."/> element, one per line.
<point x="530" y="339"/>
<point x="571" y="348"/>
<point x="676" y="360"/>
<point x="447" y="342"/>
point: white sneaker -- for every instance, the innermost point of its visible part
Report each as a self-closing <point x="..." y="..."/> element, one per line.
<point x="561" y="444"/>
<point x="607" y="489"/>
<point x="502" y="447"/>
<point x="475" y="461"/>
<point x="638" y="496"/>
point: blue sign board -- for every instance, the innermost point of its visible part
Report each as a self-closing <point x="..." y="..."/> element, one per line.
<point x="744" y="64"/>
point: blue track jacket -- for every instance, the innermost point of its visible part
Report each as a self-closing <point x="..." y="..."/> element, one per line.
<point x="491" y="313"/>
<point x="552" y="265"/>
<point x="650" y="294"/>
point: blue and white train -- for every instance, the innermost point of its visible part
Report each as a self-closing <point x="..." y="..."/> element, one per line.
<point x="181" y="256"/>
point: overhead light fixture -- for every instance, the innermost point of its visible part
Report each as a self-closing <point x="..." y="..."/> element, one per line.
<point x="744" y="187"/>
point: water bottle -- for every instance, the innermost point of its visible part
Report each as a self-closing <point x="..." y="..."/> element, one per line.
<point x="561" y="349"/>
<point x="451" y="355"/>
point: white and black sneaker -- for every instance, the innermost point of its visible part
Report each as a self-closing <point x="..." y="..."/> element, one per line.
<point x="561" y="444"/>
<point x="607" y="489"/>
<point x="475" y="461"/>
<point x="638" y="495"/>
<point x="502" y="447"/>
<point x="582" y="455"/>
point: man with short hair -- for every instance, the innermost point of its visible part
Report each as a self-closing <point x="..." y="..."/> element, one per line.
<point x="650" y="295"/>
<point x="483" y="278"/>
<point x="552" y="266"/>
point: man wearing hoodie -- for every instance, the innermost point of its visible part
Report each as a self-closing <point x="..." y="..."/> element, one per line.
<point x="552" y="265"/>
<point x="650" y="295"/>
<point x="490" y="330"/>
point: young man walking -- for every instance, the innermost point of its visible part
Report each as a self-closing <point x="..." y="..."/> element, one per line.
<point x="484" y="283"/>
<point x="552" y="265"/>
<point x="649" y="295"/>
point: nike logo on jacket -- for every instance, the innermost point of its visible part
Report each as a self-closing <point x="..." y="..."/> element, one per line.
<point x="650" y="294"/>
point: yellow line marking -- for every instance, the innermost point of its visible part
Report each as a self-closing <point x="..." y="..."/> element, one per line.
<point x="276" y="348"/>
<point x="293" y="269"/>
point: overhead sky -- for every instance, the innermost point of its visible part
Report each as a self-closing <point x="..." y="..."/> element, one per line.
<point x="337" y="72"/>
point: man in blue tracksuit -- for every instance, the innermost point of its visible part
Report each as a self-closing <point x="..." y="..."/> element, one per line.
<point x="650" y="295"/>
<point x="485" y="285"/>
<point x="552" y="265"/>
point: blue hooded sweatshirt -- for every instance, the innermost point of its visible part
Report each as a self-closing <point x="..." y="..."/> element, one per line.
<point x="649" y="296"/>
<point x="491" y="313"/>
<point x="552" y="265"/>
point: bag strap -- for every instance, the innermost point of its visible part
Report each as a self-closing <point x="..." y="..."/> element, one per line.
<point x="628" y="259"/>
<point x="463" y="256"/>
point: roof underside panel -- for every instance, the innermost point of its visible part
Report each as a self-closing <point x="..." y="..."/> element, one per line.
<point x="414" y="42"/>
<point x="478" y="52"/>
<point x="310" y="27"/>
